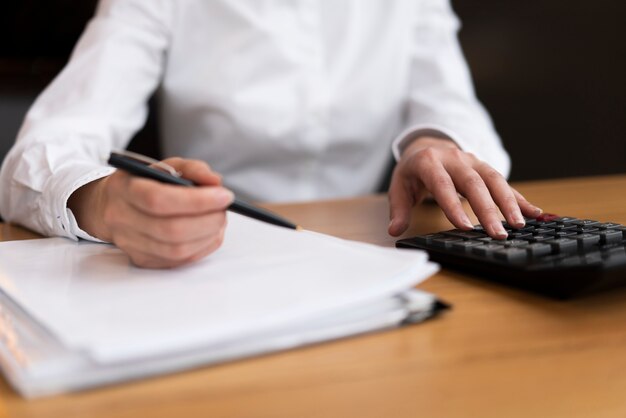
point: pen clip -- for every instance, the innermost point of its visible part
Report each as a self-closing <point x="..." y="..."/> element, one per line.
<point x="150" y="161"/>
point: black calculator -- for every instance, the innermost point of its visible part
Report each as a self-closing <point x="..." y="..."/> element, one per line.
<point x="558" y="256"/>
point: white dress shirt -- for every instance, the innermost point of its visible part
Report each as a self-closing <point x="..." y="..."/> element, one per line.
<point x="289" y="100"/>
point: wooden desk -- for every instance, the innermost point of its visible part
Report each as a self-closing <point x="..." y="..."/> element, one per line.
<point x="499" y="353"/>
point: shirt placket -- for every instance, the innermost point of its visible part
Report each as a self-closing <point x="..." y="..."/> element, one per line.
<point x="315" y="126"/>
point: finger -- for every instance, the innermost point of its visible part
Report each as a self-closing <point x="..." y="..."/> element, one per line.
<point x="160" y="199"/>
<point x="472" y="186"/>
<point x="502" y="194"/>
<point x="147" y="252"/>
<point x="144" y="260"/>
<point x="195" y="170"/>
<point x="401" y="200"/>
<point x="173" y="229"/>
<point x="528" y="209"/>
<point x="439" y="183"/>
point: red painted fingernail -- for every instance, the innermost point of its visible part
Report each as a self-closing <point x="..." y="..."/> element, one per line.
<point x="547" y="217"/>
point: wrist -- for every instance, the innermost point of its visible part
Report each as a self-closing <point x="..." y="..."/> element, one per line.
<point x="87" y="203"/>
<point x="423" y="142"/>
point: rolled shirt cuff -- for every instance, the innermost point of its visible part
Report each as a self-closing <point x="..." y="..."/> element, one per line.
<point x="412" y="133"/>
<point x="495" y="156"/>
<point x="59" y="219"/>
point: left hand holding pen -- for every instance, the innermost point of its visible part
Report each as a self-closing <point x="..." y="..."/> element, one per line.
<point x="437" y="166"/>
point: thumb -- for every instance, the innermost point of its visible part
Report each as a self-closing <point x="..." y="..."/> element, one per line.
<point x="195" y="170"/>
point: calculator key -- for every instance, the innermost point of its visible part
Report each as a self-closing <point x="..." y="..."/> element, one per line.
<point x="426" y="239"/>
<point x="514" y="229"/>
<point x="445" y="242"/>
<point x="550" y="225"/>
<point x="566" y="220"/>
<point x="459" y="233"/>
<point x="585" y="222"/>
<point x="586" y="240"/>
<point x="541" y="238"/>
<point x="520" y="235"/>
<point x="563" y="234"/>
<point x="586" y="229"/>
<point x="486" y="249"/>
<point x="500" y="242"/>
<point x="562" y="245"/>
<point x="465" y="245"/>
<point x="511" y="254"/>
<point x="531" y="222"/>
<point x="608" y="225"/>
<point x="565" y="227"/>
<point x="538" y="249"/>
<point x="515" y="243"/>
<point x="609" y="236"/>
<point x="543" y="231"/>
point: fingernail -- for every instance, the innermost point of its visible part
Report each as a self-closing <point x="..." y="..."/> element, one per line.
<point x="518" y="221"/>
<point x="538" y="211"/>
<point x="392" y="229"/>
<point x="499" y="231"/>
<point x="466" y="222"/>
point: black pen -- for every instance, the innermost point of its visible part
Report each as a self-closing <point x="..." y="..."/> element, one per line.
<point x="137" y="164"/>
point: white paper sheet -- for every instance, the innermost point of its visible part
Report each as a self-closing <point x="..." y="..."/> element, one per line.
<point x="263" y="278"/>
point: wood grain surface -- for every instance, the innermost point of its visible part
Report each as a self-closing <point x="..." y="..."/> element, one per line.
<point x="499" y="353"/>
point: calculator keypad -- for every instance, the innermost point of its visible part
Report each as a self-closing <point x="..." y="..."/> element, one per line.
<point x="552" y="239"/>
<point x="559" y="256"/>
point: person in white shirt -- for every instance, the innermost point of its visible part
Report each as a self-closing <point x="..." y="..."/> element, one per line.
<point x="288" y="101"/>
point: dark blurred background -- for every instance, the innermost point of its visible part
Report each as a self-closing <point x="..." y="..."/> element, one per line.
<point x="551" y="73"/>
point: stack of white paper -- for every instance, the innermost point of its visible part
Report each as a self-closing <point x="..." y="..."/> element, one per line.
<point x="75" y="315"/>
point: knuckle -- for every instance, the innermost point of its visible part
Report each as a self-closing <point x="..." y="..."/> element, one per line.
<point x="173" y="161"/>
<point x="172" y="230"/>
<point x="176" y="252"/>
<point x="490" y="211"/>
<point x="441" y="182"/>
<point x="121" y="242"/>
<point x="510" y="201"/>
<point x="470" y="156"/>
<point x="199" y="164"/>
<point x="472" y="181"/>
<point x="459" y="153"/>
<point x="428" y="153"/>
<point x="493" y="174"/>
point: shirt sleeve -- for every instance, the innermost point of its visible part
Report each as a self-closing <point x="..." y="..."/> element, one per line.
<point x="442" y="98"/>
<point x="97" y="102"/>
